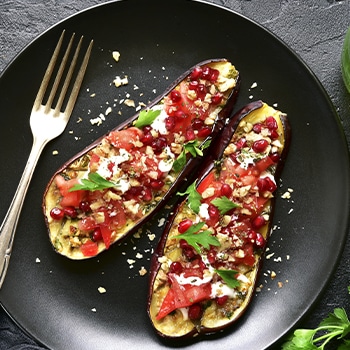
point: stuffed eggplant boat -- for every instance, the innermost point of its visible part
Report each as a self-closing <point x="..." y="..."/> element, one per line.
<point x="204" y="270"/>
<point x="109" y="189"/>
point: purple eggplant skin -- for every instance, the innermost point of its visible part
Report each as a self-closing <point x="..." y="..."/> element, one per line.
<point x="215" y="153"/>
<point x="186" y="172"/>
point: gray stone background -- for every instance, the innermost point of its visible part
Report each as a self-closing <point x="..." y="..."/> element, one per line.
<point x="314" y="29"/>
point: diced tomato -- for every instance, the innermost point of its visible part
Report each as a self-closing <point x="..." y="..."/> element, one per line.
<point x="180" y="296"/>
<point x="124" y="138"/>
<point x="118" y="216"/>
<point x="87" y="223"/>
<point x="89" y="248"/>
<point x="106" y="235"/>
<point x="69" y="198"/>
<point x="263" y="164"/>
<point x="249" y="258"/>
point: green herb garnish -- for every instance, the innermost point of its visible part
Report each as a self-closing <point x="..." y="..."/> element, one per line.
<point x="335" y="326"/>
<point x="194" y="148"/>
<point x="229" y="276"/>
<point x="194" y="198"/>
<point x="95" y="182"/>
<point x="146" y="117"/>
<point x="224" y="204"/>
<point x="196" y="239"/>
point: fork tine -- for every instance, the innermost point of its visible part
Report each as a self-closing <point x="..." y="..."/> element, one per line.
<point x="48" y="73"/>
<point x="78" y="81"/>
<point x="59" y="75"/>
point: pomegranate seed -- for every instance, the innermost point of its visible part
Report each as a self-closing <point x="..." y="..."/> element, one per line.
<point x="241" y="143"/>
<point x="193" y="85"/>
<point x="214" y="74"/>
<point x="157" y="184"/>
<point x="260" y="146"/>
<point x="184" y="225"/>
<point x="275" y="157"/>
<point x="260" y="241"/>
<point x="196" y="73"/>
<point x="170" y="123"/>
<point x="274" y="135"/>
<point x="146" y="139"/>
<point x="201" y="91"/>
<point x="57" y="213"/>
<point x="195" y="312"/>
<point x="258" y="222"/>
<point x="226" y="190"/>
<point x="216" y="99"/>
<point x="257" y="128"/>
<point x="221" y="300"/>
<point x="211" y="256"/>
<point x="147" y="195"/>
<point x="175" y="96"/>
<point x="159" y="144"/>
<point x="189" y="253"/>
<point x="97" y="234"/>
<point x="71" y="212"/>
<point x="197" y="124"/>
<point x="147" y="129"/>
<point x="180" y="114"/>
<point x="251" y="236"/>
<point x="271" y="123"/>
<point x="176" y="267"/>
<point x="190" y="135"/>
<point x="213" y="211"/>
<point x="204" y="132"/>
<point x="206" y="73"/>
<point x="84" y="206"/>
<point x="266" y="184"/>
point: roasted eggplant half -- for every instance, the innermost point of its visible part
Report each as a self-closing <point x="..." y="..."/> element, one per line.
<point x="205" y="268"/>
<point x="112" y="187"/>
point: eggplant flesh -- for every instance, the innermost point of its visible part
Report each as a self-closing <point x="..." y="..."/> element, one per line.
<point x="226" y="269"/>
<point x="189" y="114"/>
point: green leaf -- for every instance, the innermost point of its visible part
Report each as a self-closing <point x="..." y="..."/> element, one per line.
<point x="229" y="277"/>
<point x="95" y="182"/>
<point x="146" y="117"/>
<point x="194" y="198"/>
<point x="196" y="239"/>
<point x="224" y="204"/>
<point x="345" y="60"/>
<point x="194" y="148"/>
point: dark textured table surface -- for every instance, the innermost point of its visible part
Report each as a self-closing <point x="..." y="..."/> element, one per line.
<point x="314" y="29"/>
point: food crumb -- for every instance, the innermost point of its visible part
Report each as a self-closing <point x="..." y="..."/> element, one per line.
<point x="142" y="271"/>
<point x="139" y="256"/>
<point x="116" y="55"/>
<point x="273" y="274"/>
<point x="101" y="290"/>
<point x="254" y="85"/>
<point x="118" y="81"/>
<point x="151" y="236"/>
<point x="37" y="260"/>
<point x="54" y="153"/>
<point x="280" y="284"/>
<point x="93" y="309"/>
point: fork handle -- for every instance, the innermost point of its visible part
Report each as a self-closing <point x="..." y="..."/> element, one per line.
<point x="9" y="225"/>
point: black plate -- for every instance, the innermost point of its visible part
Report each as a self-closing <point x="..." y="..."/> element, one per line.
<point x="53" y="300"/>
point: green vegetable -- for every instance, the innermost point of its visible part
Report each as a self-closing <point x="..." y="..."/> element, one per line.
<point x="345" y="60"/>
<point x="146" y="117"/>
<point x="229" y="277"/>
<point x="95" y="182"/>
<point x="195" y="238"/>
<point x="224" y="204"/>
<point x="194" y="198"/>
<point x="336" y="325"/>
<point x="195" y="148"/>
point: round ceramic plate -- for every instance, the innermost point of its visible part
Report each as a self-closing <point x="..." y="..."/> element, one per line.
<point x="57" y="300"/>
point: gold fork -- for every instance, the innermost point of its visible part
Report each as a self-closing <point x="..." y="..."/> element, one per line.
<point x="47" y="121"/>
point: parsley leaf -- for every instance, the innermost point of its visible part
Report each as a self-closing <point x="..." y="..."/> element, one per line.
<point x="95" y="182"/>
<point x="194" y="198"/>
<point x="146" y="117"/>
<point x="229" y="277"/>
<point x="195" y="238"/>
<point x="194" y="148"/>
<point x="224" y="204"/>
<point x="336" y="325"/>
